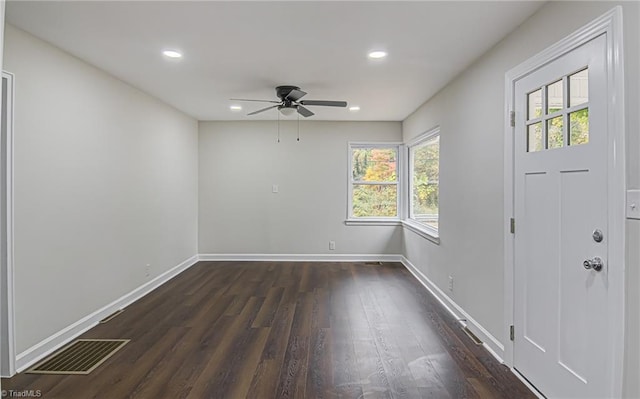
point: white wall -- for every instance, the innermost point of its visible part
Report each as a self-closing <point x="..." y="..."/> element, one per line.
<point x="239" y="163"/>
<point x="470" y="111"/>
<point x="105" y="183"/>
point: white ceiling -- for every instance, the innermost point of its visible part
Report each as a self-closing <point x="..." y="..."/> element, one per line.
<point x="245" y="49"/>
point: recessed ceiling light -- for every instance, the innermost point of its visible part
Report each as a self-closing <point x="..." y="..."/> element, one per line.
<point x="172" y="54"/>
<point x="235" y="107"/>
<point x="377" y="54"/>
<point x="354" y="108"/>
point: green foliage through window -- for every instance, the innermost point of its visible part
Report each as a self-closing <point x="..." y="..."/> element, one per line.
<point x="564" y="123"/>
<point x="425" y="175"/>
<point x="579" y="127"/>
<point x="374" y="181"/>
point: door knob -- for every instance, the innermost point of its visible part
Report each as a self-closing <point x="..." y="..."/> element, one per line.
<point x="595" y="264"/>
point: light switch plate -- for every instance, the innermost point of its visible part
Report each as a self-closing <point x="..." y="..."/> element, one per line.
<point x="274" y="188"/>
<point x="633" y="204"/>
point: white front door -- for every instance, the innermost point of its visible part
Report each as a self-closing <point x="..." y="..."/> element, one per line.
<point x="560" y="181"/>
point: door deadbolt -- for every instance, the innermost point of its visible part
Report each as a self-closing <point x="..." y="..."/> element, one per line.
<point x="597" y="235"/>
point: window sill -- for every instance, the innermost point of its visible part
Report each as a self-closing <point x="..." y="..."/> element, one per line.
<point x="422" y="230"/>
<point x="373" y="222"/>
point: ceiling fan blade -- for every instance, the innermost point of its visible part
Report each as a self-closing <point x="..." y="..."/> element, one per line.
<point x="324" y="103"/>
<point x="304" y="112"/>
<point x="262" y="110"/>
<point x="260" y="101"/>
<point x="295" y="95"/>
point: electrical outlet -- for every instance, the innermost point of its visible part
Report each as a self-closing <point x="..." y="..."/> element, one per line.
<point x="332" y="245"/>
<point x="451" y="283"/>
<point x="147" y="270"/>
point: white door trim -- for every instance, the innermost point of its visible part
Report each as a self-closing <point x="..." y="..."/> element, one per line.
<point x="7" y="325"/>
<point x="610" y="24"/>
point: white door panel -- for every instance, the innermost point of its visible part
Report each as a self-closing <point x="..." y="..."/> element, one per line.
<point x="560" y="309"/>
<point x="536" y="185"/>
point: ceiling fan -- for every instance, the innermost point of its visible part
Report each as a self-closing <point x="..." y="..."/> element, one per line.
<point x="290" y="102"/>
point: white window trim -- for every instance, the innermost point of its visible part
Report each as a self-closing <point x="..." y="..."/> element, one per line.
<point x="382" y="220"/>
<point x="421" y="229"/>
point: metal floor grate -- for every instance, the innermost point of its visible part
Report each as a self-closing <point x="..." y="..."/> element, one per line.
<point x="80" y="357"/>
<point x="471" y="335"/>
<point x="111" y="316"/>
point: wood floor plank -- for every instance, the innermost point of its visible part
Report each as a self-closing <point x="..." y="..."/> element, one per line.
<point x="281" y="327"/>
<point x="241" y="370"/>
<point x="400" y="379"/>
<point x="286" y="330"/>
<point x="265" y="379"/>
<point x="319" y="366"/>
<point x="200" y="343"/>
<point x="164" y="370"/>
<point x="346" y="375"/>
<point x="294" y="373"/>
<point x="269" y="308"/>
<point x="212" y="382"/>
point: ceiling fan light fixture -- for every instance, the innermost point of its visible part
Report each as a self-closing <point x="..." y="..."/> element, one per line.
<point x="355" y="108"/>
<point x="377" y="54"/>
<point x="287" y="111"/>
<point x="235" y="108"/>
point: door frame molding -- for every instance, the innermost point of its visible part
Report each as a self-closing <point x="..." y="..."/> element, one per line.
<point x="8" y="342"/>
<point x="609" y="24"/>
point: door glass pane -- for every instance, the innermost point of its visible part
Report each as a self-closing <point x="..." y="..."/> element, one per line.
<point x="554" y="97"/>
<point x="535" y="104"/>
<point x="534" y="137"/>
<point x="554" y="132"/>
<point x="371" y="200"/>
<point x="579" y="88"/>
<point x="579" y="127"/>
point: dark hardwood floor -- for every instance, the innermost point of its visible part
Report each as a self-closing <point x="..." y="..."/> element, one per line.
<point x="286" y="330"/>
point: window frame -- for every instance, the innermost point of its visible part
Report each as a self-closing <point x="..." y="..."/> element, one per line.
<point x="376" y="220"/>
<point x="429" y="232"/>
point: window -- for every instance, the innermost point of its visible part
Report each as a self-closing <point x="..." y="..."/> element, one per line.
<point x="373" y="186"/>
<point x="424" y="172"/>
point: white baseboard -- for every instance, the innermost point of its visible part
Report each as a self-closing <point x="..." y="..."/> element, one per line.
<point x="62" y="337"/>
<point x="300" y="257"/>
<point x="491" y="343"/>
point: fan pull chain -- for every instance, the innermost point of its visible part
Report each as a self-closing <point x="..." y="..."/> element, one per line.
<point x="298" y="126"/>
<point x="278" y="126"/>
